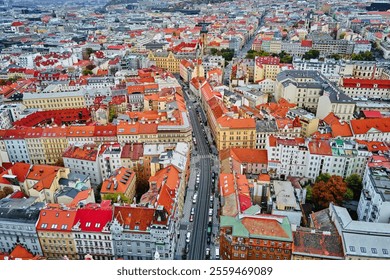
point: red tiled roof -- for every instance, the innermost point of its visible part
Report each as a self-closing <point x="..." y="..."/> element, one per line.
<point x="53" y="218"/>
<point x="365" y="83"/>
<point x="131" y="217"/>
<point x="93" y="217"/>
<point x="247" y="123"/>
<point x="265" y="225"/>
<point x="331" y="119"/>
<point x="372" y="114"/>
<point x="87" y="152"/>
<point x="134" y="151"/>
<point x="362" y="126"/>
<point x="320" y="147"/>
<point x="246" y="155"/>
<point x="119" y="181"/>
<point x="341" y="129"/>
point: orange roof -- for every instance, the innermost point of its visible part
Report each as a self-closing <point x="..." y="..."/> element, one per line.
<point x="362" y="126"/>
<point x="246" y="155"/>
<point x="130" y="217"/>
<point x="86" y="152"/>
<point x="226" y="184"/>
<point x="56" y="218"/>
<point x="247" y="123"/>
<point x="331" y="119"/>
<point x="81" y="131"/>
<point x="320" y="147"/>
<point x="341" y="129"/>
<point x="264" y="178"/>
<point x="119" y="182"/>
<point x="19" y="252"/>
<point x="262" y="225"/>
<point x="374" y="146"/>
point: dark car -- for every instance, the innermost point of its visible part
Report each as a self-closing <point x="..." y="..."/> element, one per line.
<point x="207" y="253"/>
<point x="208" y="239"/>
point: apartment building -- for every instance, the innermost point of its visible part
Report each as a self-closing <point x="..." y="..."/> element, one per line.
<point x="54" y="230"/>
<point x="18" y="217"/>
<point x="374" y="203"/>
<point x="255" y="237"/>
<point x="84" y="160"/>
<point x="91" y="231"/>
<point x="361" y="240"/>
<point x="54" y="101"/>
<point x="121" y="181"/>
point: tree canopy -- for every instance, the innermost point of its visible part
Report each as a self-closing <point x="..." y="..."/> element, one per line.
<point x="363" y="56"/>
<point x="325" y="191"/>
<point x="311" y="54"/>
<point x="227" y="54"/>
<point x="354" y="182"/>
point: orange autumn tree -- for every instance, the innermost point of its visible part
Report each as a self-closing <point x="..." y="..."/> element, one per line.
<point x="331" y="190"/>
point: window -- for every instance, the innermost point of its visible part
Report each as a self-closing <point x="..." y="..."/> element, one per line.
<point x="363" y="249"/>
<point x="374" y="251"/>
<point x="352" y="248"/>
<point x="64" y="227"/>
<point x="54" y="226"/>
<point x="88" y="224"/>
<point x="385" y="251"/>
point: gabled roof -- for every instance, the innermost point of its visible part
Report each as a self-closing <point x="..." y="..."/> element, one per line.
<point x="341" y="129"/>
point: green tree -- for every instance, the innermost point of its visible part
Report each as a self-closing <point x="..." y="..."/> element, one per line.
<point x="335" y="56"/>
<point x="309" y="193"/>
<point x="324" y="177"/>
<point x="251" y="54"/>
<point x="311" y="54"/>
<point x="348" y="194"/>
<point x="114" y="198"/>
<point x="112" y="113"/>
<point x="342" y="35"/>
<point x="89" y="51"/>
<point x="363" y="56"/>
<point x="354" y="182"/>
<point x="87" y="72"/>
<point x="213" y="51"/>
<point x="334" y="190"/>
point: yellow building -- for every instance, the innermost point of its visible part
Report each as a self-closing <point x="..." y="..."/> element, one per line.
<point x="52" y="101"/>
<point x="42" y="181"/>
<point x="34" y="145"/>
<point x="54" y="143"/>
<point x="122" y="181"/>
<point x="55" y="232"/>
<point x="266" y="67"/>
<point x="166" y="61"/>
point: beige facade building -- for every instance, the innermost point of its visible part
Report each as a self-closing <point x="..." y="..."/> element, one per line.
<point x="54" y="101"/>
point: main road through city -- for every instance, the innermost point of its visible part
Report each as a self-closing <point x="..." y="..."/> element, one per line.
<point x="199" y="233"/>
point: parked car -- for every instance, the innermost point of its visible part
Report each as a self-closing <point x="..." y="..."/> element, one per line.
<point x="191" y="217"/>
<point x="207" y="253"/>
